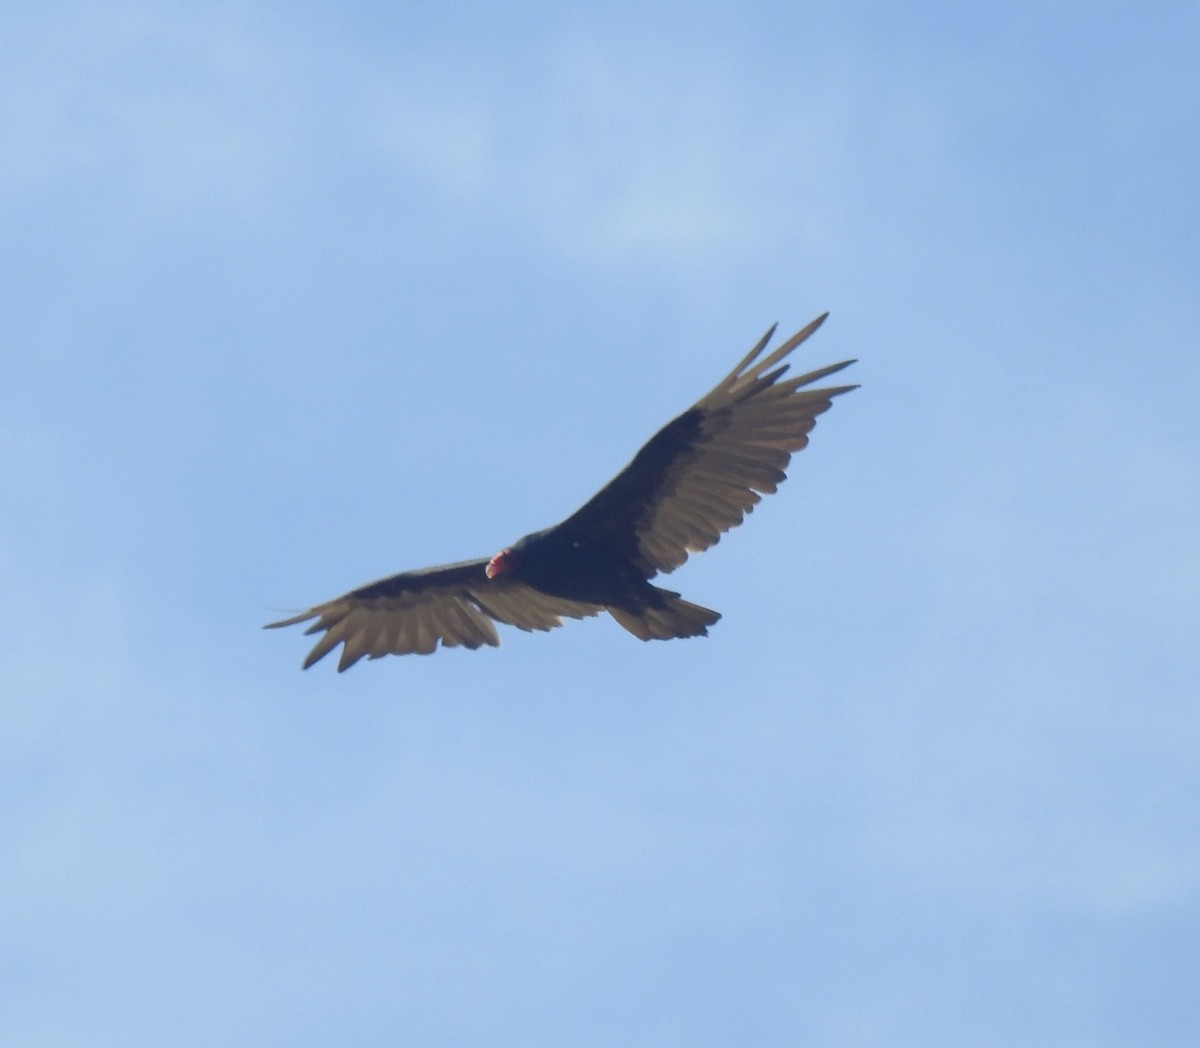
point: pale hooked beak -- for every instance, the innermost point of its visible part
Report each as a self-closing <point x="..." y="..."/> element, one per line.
<point x="498" y="564"/>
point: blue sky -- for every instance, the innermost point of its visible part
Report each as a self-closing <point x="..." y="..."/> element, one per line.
<point x="296" y="296"/>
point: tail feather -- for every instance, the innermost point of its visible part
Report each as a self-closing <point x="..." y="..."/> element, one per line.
<point x="671" y="617"/>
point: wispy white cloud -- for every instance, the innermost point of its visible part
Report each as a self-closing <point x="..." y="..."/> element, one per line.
<point x="172" y="107"/>
<point x="631" y="153"/>
<point x="607" y="152"/>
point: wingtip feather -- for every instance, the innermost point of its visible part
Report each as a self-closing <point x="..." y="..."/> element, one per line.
<point x="302" y="617"/>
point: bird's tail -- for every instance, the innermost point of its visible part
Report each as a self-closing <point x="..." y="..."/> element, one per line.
<point x="671" y="616"/>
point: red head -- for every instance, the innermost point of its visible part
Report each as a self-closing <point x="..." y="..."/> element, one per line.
<point x="500" y="564"/>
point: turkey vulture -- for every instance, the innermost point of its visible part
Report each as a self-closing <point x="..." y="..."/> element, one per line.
<point x="697" y="477"/>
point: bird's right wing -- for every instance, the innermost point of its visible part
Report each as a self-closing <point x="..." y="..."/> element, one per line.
<point x="700" y="474"/>
<point x="413" y="612"/>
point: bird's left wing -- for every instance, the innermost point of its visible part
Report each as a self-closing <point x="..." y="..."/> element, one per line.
<point x="415" y="611"/>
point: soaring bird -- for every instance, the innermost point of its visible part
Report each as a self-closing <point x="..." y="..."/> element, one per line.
<point x="696" y="478"/>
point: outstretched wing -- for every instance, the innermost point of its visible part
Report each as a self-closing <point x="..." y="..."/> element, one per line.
<point x="705" y="470"/>
<point x="415" y="611"/>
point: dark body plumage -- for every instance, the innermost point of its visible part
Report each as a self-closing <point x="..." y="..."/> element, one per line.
<point x="693" y="480"/>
